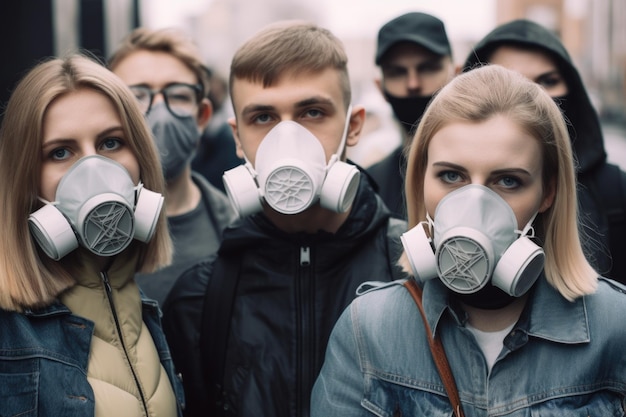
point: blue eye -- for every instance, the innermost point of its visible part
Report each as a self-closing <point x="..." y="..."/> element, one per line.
<point x="509" y="182"/>
<point x="110" y="144"/>
<point x="60" y="154"/>
<point x="314" y="113"/>
<point x="262" y="118"/>
<point x="450" y="176"/>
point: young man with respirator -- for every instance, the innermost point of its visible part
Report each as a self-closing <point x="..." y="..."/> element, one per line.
<point x="311" y="230"/>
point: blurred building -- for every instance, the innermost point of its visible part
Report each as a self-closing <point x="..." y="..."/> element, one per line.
<point x="32" y="30"/>
<point x="594" y="33"/>
<point x="226" y="24"/>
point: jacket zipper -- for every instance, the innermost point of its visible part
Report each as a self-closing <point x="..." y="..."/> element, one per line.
<point x="109" y="293"/>
<point x="304" y="348"/>
<point x="305" y="256"/>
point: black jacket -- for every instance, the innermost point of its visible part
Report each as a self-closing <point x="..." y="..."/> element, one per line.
<point x="291" y="289"/>
<point x="601" y="186"/>
<point x="389" y="174"/>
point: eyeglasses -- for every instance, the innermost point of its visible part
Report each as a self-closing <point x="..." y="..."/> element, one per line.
<point x="180" y="99"/>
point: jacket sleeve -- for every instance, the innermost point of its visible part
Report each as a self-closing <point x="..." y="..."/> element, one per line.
<point x="182" y="319"/>
<point x="339" y="388"/>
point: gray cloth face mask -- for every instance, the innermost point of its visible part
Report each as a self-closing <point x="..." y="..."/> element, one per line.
<point x="176" y="138"/>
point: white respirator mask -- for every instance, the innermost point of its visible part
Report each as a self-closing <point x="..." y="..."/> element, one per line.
<point x="476" y="242"/>
<point x="98" y="206"/>
<point x="291" y="174"/>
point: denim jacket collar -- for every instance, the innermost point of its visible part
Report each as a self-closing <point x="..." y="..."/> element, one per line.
<point x="58" y="308"/>
<point x="546" y="312"/>
<point x="543" y="315"/>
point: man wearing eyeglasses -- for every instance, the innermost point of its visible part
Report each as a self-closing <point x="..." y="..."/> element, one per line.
<point x="165" y="72"/>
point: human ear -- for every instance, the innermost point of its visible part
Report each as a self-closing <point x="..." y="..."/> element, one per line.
<point x="357" y="119"/>
<point x="205" y="111"/>
<point x="233" y="125"/>
<point x="548" y="197"/>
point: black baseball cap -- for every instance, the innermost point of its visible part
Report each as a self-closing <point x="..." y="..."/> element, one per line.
<point x="420" y="28"/>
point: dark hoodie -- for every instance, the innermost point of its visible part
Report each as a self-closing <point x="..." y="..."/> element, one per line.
<point x="290" y="290"/>
<point x="602" y="186"/>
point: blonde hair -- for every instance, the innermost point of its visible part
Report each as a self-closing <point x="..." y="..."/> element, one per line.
<point x="167" y="40"/>
<point x="478" y="95"/>
<point x="28" y="278"/>
<point x="290" y="47"/>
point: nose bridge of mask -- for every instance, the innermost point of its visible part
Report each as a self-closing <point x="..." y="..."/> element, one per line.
<point x="96" y="197"/>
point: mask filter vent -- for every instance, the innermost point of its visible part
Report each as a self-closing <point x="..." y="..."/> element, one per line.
<point x="108" y="226"/>
<point x="464" y="260"/>
<point x="288" y="189"/>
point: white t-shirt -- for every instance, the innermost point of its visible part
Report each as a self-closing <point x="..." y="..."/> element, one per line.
<point x="490" y="343"/>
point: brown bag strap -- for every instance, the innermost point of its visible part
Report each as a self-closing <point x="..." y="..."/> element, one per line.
<point x="439" y="354"/>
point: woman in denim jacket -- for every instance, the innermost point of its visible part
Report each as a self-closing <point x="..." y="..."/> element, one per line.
<point x="529" y="329"/>
<point x="81" y="172"/>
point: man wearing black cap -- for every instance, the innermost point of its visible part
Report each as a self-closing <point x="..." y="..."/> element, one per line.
<point x="415" y="58"/>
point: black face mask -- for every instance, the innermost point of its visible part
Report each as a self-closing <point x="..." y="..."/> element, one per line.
<point x="489" y="298"/>
<point x="408" y="110"/>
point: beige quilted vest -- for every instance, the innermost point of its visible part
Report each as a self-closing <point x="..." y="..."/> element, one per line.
<point x="124" y="369"/>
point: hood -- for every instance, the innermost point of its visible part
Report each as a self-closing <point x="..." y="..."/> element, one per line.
<point x="585" y="130"/>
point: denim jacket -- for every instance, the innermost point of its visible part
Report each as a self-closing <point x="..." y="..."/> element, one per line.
<point x="560" y="359"/>
<point x="44" y="356"/>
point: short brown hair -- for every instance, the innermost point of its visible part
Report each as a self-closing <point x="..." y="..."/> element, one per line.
<point x="167" y="40"/>
<point x="290" y="46"/>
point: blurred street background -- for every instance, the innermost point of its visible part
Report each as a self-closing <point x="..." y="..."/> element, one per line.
<point x="594" y="31"/>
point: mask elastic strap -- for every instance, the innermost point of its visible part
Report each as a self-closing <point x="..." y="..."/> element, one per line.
<point x="138" y="189"/>
<point x="528" y="229"/>
<point x="43" y="200"/>
<point x="249" y="167"/>
<point x="344" y="138"/>
<point x="431" y="225"/>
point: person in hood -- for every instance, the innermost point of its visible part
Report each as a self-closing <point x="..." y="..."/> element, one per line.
<point x="415" y="58"/>
<point x="81" y="214"/>
<point x="164" y="70"/>
<point x="252" y="326"/>
<point x="501" y="291"/>
<point x="538" y="54"/>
